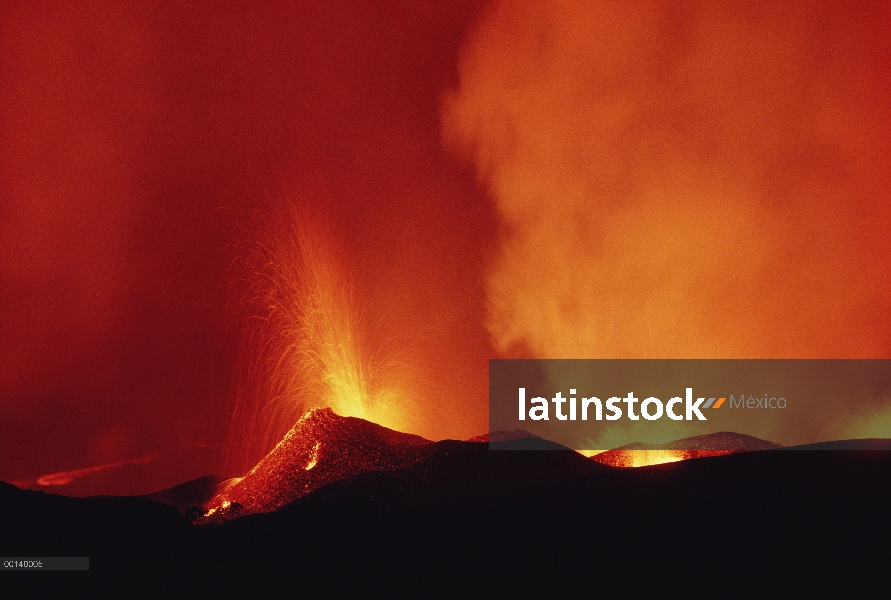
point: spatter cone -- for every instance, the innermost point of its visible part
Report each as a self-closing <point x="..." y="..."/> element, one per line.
<point x="320" y="449"/>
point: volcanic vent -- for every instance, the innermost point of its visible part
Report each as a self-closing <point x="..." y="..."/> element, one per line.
<point x="640" y="454"/>
<point x="321" y="448"/>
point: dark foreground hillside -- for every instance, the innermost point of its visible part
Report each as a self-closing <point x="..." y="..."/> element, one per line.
<point x="470" y="521"/>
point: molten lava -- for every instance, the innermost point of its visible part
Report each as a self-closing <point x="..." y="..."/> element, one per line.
<point x="305" y="345"/>
<point x="321" y="448"/>
<point x="645" y="458"/>
<point x="700" y="446"/>
<point x="306" y="356"/>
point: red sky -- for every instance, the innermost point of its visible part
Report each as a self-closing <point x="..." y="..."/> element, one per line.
<point x="500" y="179"/>
<point x="139" y="142"/>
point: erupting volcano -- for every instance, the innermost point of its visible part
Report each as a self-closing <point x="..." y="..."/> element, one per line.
<point x="304" y="347"/>
<point x="324" y="448"/>
<point x="699" y="446"/>
<point x="261" y="260"/>
<point x="321" y="448"/>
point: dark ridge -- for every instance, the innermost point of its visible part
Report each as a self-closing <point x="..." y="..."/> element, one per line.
<point x="503" y="435"/>
<point x="723" y="440"/>
<point x="863" y="444"/>
<point x="192" y="493"/>
<point x="462" y="520"/>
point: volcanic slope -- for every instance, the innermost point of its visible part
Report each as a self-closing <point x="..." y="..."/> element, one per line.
<point x="640" y="454"/>
<point x="465" y="519"/>
<point x="184" y="495"/>
<point x="320" y="449"/>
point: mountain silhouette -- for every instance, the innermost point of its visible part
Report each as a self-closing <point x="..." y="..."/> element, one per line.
<point x="384" y="513"/>
<point x="699" y="446"/>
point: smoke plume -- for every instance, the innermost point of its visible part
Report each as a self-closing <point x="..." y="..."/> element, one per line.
<point x="683" y="179"/>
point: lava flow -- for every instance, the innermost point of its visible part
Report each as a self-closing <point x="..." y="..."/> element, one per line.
<point x="638" y="457"/>
<point x="321" y="448"/>
<point x="700" y="446"/>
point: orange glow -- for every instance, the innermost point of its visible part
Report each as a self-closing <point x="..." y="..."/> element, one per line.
<point x="313" y="457"/>
<point x="640" y="458"/>
<point x="682" y="179"/>
<point x="590" y="453"/>
<point x="320" y="449"/>
<point x="136" y="140"/>
<point x="646" y="458"/>
<point x="66" y="477"/>
<point x="307" y="348"/>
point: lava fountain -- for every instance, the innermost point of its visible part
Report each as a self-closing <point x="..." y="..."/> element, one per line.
<point x="304" y="345"/>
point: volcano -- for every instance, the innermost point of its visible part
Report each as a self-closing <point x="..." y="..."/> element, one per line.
<point x="466" y="508"/>
<point x="640" y="454"/>
<point x="320" y="449"/>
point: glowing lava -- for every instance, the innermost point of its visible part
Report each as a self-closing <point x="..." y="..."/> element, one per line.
<point x="322" y="358"/>
<point x="313" y="457"/>
<point x="646" y="458"/>
<point x="306" y="346"/>
<point x="320" y="449"/>
<point x="699" y="446"/>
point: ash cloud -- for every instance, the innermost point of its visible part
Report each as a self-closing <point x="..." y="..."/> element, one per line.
<point x="682" y="179"/>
